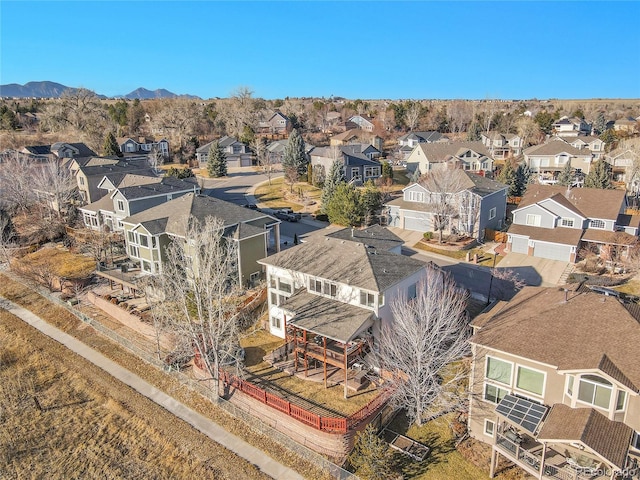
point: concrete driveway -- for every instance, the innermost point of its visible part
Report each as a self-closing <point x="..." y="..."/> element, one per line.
<point x="537" y="271"/>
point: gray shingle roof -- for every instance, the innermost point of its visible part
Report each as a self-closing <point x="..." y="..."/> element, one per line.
<point x="375" y="236"/>
<point x="443" y="151"/>
<point x="346" y="262"/>
<point x="163" y="186"/>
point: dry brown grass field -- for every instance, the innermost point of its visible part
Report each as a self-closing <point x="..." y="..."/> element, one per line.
<point x="62" y="417"/>
<point x="65" y="321"/>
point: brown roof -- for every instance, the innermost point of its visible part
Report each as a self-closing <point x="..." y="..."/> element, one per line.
<point x="607" y="438"/>
<point x="562" y="235"/>
<point x="443" y="151"/>
<point x="556" y="147"/>
<point x="592" y="202"/>
<point x="572" y="335"/>
<point x="603" y="236"/>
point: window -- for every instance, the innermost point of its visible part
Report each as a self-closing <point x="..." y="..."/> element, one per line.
<point x="371" y="171"/>
<point x="635" y="441"/>
<point x="329" y="288"/>
<point x="355" y="172"/>
<point x="121" y="205"/>
<point x="131" y="237"/>
<point x="597" y="224"/>
<point x="272" y="282"/>
<point x="143" y="240"/>
<point x="492" y="213"/>
<point x="81" y="180"/>
<point x="315" y="285"/>
<point x="133" y="251"/>
<point x="595" y="391"/>
<point x="499" y="370"/>
<point x="284" y="286"/>
<point x="570" y="385"/>
<point x="367" y="299"/>
<point x="275" y="322"/>
<point x="146" y="266"/>
<point x="622" y="395"/>
<point x="154" y="242"/>
<point x="529" y="380"/>
<point x="381" y="299"/>
<point x="274" y="298"/>
<point x="533" y="220"/>
<point x="156" y="266"/>
<point x="489" y="427"/>
<point x="566" y="222"/>
<point x="412" y="292"/>
<point x="416" y="196"/>
<point x="493" y="393"/>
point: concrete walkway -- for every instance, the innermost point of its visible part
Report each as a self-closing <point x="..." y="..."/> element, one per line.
<point x="211" y="429"/>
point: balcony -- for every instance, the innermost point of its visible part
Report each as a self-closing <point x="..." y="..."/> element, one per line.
<point x="525" y="452"/>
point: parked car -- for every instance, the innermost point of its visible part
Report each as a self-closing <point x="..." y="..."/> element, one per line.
<point x="283" y="214"/>
<point x="251" y="206"/>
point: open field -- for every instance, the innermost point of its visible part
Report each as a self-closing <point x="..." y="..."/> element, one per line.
<point x="279" y="195"/>
<point x="62" y="417"/>
<point x="67" y="322"/>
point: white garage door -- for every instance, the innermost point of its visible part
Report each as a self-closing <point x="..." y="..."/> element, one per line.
<point x="520" y="245"/>
<point x="552" y="251"/>
<point x="246" y="162"/>
<point x="417" y="224"/>
<point x="233" y="162"/>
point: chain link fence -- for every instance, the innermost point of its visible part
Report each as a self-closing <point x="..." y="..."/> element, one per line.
<point x="253" y="422"/>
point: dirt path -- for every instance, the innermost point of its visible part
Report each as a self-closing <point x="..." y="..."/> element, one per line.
<point x="209" y="428"/>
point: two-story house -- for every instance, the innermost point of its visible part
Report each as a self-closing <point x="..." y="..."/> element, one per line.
<point x="143" y="145"/>
<point x="475" y="204"/>
<point x="554" y="384"/>
<point x="278" y="123"/>
<point x="588" y="142"/>
<point x="553" y="222"/>
<point x="149" y="232"/>
<point x="408" y="141"/>
<point x="329" y="296"/>
<point x="130" y="194"/>
<point x="502" y="145"/>
<point x="357" y="160"/>
<point x="548" y="159"/>
<point x="59" y="150"/>
<point x="470" y="156"/>
<point x="359" y="136"/>
<point x="89" y="173"/>
<point x="571" y="127"/>
<point x="237" y="154"/>
<point x="623" y="163"/>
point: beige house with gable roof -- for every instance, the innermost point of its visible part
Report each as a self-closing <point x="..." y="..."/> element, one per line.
<point x="555" y="383"/>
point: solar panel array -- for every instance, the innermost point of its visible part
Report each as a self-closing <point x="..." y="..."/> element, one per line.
<point x="522" y="412"/>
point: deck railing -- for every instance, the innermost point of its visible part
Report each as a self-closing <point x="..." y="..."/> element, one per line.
<point x="319" y="422"/>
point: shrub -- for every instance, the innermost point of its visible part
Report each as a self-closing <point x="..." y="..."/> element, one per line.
<point x="322" y="217"/>
<point x="428" y="235"/>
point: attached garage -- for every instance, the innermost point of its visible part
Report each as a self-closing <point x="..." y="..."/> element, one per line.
<point x="519" y="244"/>
<point x="552" y="251"/>
<point x="416" y="221"/>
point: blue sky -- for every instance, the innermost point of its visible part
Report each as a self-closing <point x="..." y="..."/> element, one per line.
<point x="364" y="49"/>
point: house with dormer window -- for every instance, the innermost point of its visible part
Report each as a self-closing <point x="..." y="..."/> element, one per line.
<point x="469" y="156"/>
<point x="502" y="145"/>
<point x="329" y="296"/>
<point x="571" y="127"/>
<point x="357" y="160"/>
<point x="476" y="203"/>
<point x="554" y="385"/>
<point x="554" y="222"/>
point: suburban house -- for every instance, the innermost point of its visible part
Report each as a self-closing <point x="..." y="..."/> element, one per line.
<point x="357" y="160"/>
<point x="237" y="153"/>
<point x="143" y="145"/>
<point x="554" y="385"/>
<point x="628" y="125"/>
<point x="470" y="156"/>
<point x="409" y="140"/>
<point x="474" y="204"/>
<point x="356" y="135"/>
<point x="502" y="145"/>
<point x="588" y="142"/>
<point x="278" y="123"/>
<point x="554" y="222"/>
<point x="148" y="233"/>
<point x="330" y="295"/>
<point x="129" y="194"/>
<point x="571" y="127"/>
<point x="549" y="159"/>
<point x="363" y="122"/>
<point x="58" y="150"/>
<point x="275" y="150"/>
<point x="89" y="173"/>
<point x="623" y="163"/>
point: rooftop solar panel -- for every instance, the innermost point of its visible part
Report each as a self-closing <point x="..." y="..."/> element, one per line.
<point x="522" y="412"/>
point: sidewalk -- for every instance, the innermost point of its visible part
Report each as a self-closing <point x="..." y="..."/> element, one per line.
<point x="211" y="429"/>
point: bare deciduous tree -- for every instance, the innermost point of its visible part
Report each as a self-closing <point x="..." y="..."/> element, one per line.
<point x="15" y="181"/>
<point x="412" y="115"/>
<point x="423" y="347"/>
<point x="443" y="185"/>
<point x="199" y="286"/>
<point x="265" y="159"/>
<point x="55" y="186"/>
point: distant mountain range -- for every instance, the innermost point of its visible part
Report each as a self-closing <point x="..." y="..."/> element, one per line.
<point x="54" y="90"/>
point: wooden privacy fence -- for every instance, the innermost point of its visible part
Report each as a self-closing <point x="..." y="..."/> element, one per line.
<point x="325" y="424"/>
<point x="495" y="235"/>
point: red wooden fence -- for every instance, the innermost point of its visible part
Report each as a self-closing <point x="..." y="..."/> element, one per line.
<point x="326" y="424"/>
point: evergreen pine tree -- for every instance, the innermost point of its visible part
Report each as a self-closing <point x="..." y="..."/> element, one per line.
<point x="566" y="175"/>
<point x="345" y="206"/>
<point x="217" y="161"/>
<point x="508" y="176"/>
<point x="334" y="178"/>
<point x="387" y="170"/>
<point x="600" y="124"/>
<point x="523" y="179"/>
<point x="371" y="457"/>
<point x="110" y="146"/>
<point x="371" y="200"/>
<point x="599" y="176"/>
<point x="294" y="154"/>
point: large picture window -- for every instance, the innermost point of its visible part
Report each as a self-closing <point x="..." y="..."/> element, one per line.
<point x="531" y="381"/>
<point x="595" y="390"/>
<point x="493" y="393"/>
<point x="499" y="370"/>
<point x="533" y="220"/>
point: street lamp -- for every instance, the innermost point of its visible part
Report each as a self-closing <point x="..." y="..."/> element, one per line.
<point x="491" y="278"/>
